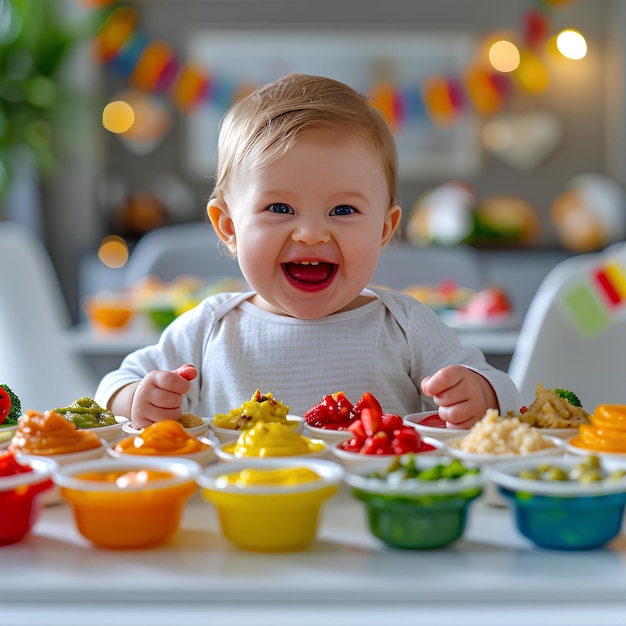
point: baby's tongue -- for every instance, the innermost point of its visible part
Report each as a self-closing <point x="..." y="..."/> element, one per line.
<point x="310" y="273"/>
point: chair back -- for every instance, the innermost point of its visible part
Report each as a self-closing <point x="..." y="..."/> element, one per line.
<point x="36" y="361"/>
<point x="573" y="335"/>
<point x="180" y="249"/>
<point x="403" y="265"/>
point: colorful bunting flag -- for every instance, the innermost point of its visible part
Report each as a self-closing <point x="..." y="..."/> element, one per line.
<point x="152" y="66"/>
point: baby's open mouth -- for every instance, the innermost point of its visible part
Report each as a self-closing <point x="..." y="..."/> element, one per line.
<point x="310" y="272"/>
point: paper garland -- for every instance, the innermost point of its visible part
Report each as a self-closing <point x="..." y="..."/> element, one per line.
<point x="152" y="66"/>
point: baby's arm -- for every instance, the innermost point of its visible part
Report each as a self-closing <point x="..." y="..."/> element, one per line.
<point x="463" y="396"/>
<point x="156" y="397"/>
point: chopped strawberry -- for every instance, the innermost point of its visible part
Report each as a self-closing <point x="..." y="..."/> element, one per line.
<point x="357" y="428"/>
<point x="380" y="443"/>
<point x="353" y="445"/>
<point x="344" y="408"/>
<point x="371" y="420"/>
<point x="391" y="422"/>
<point x="409" y="435"/>
<point x="333" y="412"/>
<point x="367" y="401"/>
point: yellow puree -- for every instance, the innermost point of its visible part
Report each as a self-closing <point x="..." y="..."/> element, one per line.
<point x="167" y="437"/>
<point x="606" y="432"/>
<point x="264" y="477"/>
<point x="272" y="439"/>
<point x="50" y="433"/>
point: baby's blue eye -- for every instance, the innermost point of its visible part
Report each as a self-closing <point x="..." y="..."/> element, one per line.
<point x="279" y="207"/>
<point x="343" y="209"/>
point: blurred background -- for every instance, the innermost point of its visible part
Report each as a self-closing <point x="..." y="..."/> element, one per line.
<point x="509" y="115"/>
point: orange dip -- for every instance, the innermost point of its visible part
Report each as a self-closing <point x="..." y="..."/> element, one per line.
<point x="164" y="438"/>
<point x="49" y="433"/>
<point x="606" y="432"/>
<point x="123" y="479"/>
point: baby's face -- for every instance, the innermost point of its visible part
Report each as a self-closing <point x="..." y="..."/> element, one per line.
<point x="309" y="227"/>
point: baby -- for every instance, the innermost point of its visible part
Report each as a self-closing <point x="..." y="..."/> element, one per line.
<point x="305" y="197"/>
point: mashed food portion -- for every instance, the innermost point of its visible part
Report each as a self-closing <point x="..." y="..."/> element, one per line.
<point x="259" y="407"/>
<point x="550" y="410"/>
<point x="606" y="432"/>
<point x="494" y="434"/>
<point x="164" y="438"/>
<point x="272" y="439"/>
<point x="190" y="420"/>
<point x="49" y="433"/>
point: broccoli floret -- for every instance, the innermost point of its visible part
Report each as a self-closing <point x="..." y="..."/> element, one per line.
<point x="16" y="406"/>
<point x="568" y="395"/>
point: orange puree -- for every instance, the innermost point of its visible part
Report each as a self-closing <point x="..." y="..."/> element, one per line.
<point x="49" y="433"/>
<point x="123" y="479"/>
<point x="164" y="438"/>
<point x="606" y="432"/>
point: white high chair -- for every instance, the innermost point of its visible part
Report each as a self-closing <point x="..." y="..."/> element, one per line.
<point x="180" y="249"/>
<point x="403" y="265"/>
<point x="36" y="361"/>
<point x="560" y="352"/>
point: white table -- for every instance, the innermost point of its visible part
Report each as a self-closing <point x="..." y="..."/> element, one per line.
<point x="492" y="576"/>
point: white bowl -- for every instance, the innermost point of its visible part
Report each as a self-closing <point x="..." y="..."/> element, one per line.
<point x="329" y="435"/>
<point x="506" y="473"/>
<point x="53" y="496"/>
<point x="6" y="434"/>
<point x="486" y="459"/>
<point x="196" y="431"/>
<point x="360" y="463"/>
<point x="72" y="457"/>
<point x="110" y="433"/>
<point x="442" y="433"/>
<point x="587" y="452"/>
<point x="228" y="435"/>
<point x="202" y="457"/>
<point x="561" y="433"/>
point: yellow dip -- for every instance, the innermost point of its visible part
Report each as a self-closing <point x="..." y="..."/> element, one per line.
<point x="49" y="433"/>
<point x="284" y="477"/>
<point x="606" y="432"/>
<point x="272" y="439"/>
<point x="259" y="407"/>
<point x="164" y="438"/>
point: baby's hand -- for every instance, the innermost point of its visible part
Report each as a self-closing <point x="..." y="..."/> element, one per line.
<point x="463" y="396"/>
<point x="160" y="394"/>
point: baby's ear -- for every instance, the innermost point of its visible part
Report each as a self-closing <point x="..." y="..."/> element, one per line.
<point x="223" y="224"/>
<point x="392" y="222"/>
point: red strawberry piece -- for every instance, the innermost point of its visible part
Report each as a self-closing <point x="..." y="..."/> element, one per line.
<point x="371" y="421"/>
<point x="344" y="408"/>
<point x="380" y="443"/>
<point x="367" y="401"/>
<point x="353" y="445"/>
<point x="357" y="428"/>
<point x="408" y="437"/>
<point x="391" y="422"/>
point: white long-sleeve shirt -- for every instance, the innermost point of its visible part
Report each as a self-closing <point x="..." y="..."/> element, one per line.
<point x="386" y="347"/>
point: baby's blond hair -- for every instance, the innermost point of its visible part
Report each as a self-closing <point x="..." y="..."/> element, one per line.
<point x="265" y="125"/>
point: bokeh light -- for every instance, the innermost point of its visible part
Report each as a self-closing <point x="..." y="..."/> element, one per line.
<point x="113" y="251"/>
<point x="504" y="56"/>
<point x="571" y="44"/>
<point x="118" y="117"/>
